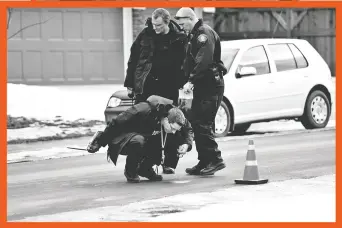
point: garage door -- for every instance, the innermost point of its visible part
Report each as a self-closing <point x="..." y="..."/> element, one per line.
<point x="141" y="14"/>
<point x="75" y="46"/>
<point x="148" y="11"/>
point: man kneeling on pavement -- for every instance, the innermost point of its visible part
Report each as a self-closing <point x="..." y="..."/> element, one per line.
<point x="141" y="132"/>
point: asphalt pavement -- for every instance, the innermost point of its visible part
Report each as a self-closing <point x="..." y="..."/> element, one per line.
<point x="83" y="182"/>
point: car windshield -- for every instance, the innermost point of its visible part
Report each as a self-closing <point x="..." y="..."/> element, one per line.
<point x="228" y="56"/>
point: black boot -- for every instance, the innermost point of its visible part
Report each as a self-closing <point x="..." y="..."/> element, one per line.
<point x="94" y="144"/>
<point x="146" y="170"/>
<point x="213" y="167"/>
<point x="168" y="170"/>
<point x="150" y="174"/>
<point x="132" y="178"/>
<point x="196" y="170"/>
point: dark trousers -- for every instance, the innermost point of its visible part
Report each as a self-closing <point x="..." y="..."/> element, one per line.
<point x="144" y="152"/>
<point x="170" y="151"/>
<point x="203" y="111"/>
<point x="153" y="87"/>
<point x="135" y="151"/>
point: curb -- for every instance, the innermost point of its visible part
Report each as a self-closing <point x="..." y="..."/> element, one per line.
<point x="72" y="132"/>
<point x="49" y="138"/>
<point x="57" y="134"/>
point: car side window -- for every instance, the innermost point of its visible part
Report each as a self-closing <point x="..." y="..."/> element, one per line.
<point x="299" y="57"/>
<point x="256" y="57"/>
<point x="283" y="57"/>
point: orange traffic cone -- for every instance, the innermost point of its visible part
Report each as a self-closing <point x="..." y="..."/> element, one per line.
<point x="251" y="173"/>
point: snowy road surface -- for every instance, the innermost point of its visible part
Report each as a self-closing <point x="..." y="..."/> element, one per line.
<point x="78" y="188"/>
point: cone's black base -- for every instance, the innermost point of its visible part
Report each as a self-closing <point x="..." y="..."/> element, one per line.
<point x="251" y="182"/>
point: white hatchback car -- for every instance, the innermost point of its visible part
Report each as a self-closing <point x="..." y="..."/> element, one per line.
<point x="267" y="79"/>
<point x="273" y="79"/>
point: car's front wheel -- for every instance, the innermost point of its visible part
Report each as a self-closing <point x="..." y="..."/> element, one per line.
<point x="222" y="120"/>
<point x="316" y="111"/>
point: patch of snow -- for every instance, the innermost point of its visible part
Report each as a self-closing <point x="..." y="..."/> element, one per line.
<point x="68" y="102"/>
<point x="45" y="131"/>
<point x="286" y="201"/>
<point x="56" y="152"/>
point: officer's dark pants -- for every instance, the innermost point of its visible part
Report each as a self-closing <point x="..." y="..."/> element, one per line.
<point x="203" y="111"/>
<point x="148" y="151"/>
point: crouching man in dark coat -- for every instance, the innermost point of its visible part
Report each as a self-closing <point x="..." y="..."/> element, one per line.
<point x="140" y="132"/>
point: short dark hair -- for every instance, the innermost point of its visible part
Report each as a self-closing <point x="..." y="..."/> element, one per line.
<point x="163" y="13"/>
<point x="175" y="115"/>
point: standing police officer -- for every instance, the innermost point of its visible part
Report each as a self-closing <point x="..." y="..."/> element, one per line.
<point x="204" y="70"/>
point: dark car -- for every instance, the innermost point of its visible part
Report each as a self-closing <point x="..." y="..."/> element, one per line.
<point x="117" y="103"/>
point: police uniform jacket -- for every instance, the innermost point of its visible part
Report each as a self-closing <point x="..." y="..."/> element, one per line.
<point x="203" y="55"/>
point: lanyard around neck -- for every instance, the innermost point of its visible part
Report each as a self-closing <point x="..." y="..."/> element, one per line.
<point x="163" y="140"/>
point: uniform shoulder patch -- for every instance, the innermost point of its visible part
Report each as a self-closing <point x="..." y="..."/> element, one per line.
<point x="202" y="38"/>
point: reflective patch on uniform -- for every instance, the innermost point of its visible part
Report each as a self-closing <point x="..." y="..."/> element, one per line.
<point x="202" y="38"/>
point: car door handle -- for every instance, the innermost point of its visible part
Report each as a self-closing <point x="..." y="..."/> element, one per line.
<point x="271" y="82"/>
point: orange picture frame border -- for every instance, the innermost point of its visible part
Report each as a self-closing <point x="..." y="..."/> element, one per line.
<point x="155" y="3"/>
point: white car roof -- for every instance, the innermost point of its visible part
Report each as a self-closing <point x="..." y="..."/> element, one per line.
<point x="245" y="43"/>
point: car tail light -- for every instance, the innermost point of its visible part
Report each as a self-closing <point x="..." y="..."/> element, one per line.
<point x="113" y="102"/>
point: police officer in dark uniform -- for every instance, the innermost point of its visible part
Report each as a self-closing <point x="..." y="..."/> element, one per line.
<point x="205" y="71"/>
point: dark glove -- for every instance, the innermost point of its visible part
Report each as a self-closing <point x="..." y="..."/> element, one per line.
<point x="94" y="144"/>
<point x="130" y="92"/>
<point x="222" y="68"/>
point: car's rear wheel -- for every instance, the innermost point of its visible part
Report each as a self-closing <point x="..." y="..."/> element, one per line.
<point x="222" y="120"/>
<point x="316" y="111"/>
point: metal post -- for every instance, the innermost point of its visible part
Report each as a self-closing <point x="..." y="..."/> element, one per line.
<point x="289" y="22"/>
<point x="127" y="17"/>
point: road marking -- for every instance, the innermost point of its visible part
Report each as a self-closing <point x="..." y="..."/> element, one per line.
<point x="181" y="182"/>
<point x="106" y="198"/>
